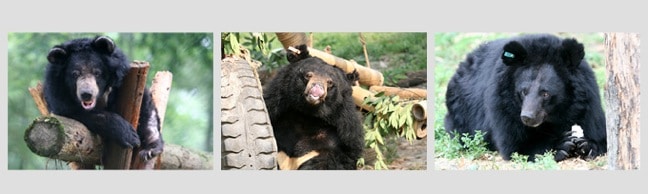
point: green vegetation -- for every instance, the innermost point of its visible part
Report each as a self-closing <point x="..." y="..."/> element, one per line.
<point x="189" y="56"/>
<point x="450" y="50"/>
<point x="391" y="117"/>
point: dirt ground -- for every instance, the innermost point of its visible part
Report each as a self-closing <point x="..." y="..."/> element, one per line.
<point x="404" y="156"/>
<point x="491" y="162"/>
<point x="410" y="156"/>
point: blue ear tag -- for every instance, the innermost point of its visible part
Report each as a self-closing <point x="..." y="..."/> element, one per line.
<point x="508" y="54"/>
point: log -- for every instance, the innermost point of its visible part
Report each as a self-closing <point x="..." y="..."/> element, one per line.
<point x="419" y="113"/>
<point x="403" y="93"/>
<point x="419" y="110"/>
<point x="285" y="162"/>
<point x="65" y="139"/>
<point x="178" y="157"/>
<point x="359" y="95"/>
<point x="160" y="90"/>
<point x="622" y="100"/>
<point x="36" y="93"/>
<point x="129" y="103"/>
<point x="368" y="76"/>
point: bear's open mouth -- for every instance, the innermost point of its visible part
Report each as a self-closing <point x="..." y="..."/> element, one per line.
<point x="88" y="104"/>
<point x="316" y="94"/>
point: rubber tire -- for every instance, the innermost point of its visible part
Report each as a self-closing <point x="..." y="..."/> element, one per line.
<point x="247" y="138"/>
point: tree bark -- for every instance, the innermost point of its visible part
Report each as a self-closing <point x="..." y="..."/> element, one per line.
<point x="160" y="90"/>
<point x="622" y="100"/>
<point x="68" y="140"/>
<point x="129" y="103"/>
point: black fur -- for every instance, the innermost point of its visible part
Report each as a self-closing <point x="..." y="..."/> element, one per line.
<point x="93" y="68"/>
<point x="333" y="127"/>
<point x="526" y="93"/>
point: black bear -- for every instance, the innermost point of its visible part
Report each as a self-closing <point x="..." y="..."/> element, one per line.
<point x="312" y="111"/>
<point x="82" y="82"/>
<point x="526" y="93"/>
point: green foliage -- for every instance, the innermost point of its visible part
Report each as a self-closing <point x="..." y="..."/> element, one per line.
<point x="460" y="146"/>
<point x="188" y="56"/>
<point x="390" y="117"/>
<point x="545" y="161"/>
<point x="263" y="47"/>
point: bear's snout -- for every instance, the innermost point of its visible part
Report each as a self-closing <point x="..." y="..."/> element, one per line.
<point x="87" y="92"/>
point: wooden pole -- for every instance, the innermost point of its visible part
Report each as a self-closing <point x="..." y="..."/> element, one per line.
<point x="359" y="95"/>
<point x="129" y="103"/>
<point x="622" y="100"/>
<point x="160" y="90"/>
<point x="404" y="93"/>
<point x="37" y="94"/>
<point x="368" y="76"/>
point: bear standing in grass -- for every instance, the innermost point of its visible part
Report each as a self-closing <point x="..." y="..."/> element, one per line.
<point x="82" y="82"/>
<point x="312" y="113"/>
<point x="526" y="93"/>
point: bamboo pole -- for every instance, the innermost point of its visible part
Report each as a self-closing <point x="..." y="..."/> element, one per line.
<point x="368" y="76"/>
<point x="404" y="93"/>
<point x="359" y="95"/>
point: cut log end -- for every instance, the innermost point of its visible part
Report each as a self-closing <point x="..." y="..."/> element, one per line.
<point x="44" y="136"/>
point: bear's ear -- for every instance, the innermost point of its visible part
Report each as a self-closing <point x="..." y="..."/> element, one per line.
<point x="572" y="52"/>
<point x="513" y="54"/>
<point x="104" y="44"/>
<point x="56" y="55"/>
<point x="353" y="76"/>
<point x="298" y="53"/>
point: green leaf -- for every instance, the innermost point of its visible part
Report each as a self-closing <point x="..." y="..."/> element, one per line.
<point x="402" y="120"/>
<point x="379" y="138"/>
<point x="234" y="44"/>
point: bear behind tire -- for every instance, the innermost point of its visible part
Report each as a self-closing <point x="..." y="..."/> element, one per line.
<point x="526" y="93"/>
<point x="311" y="109"/>
<point x="82" y="81"/>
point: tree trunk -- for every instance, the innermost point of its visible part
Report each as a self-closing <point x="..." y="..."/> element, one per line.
<point x="68" y="140"/>
<point x="622" y="100"/>
<point x="129" y="103"/>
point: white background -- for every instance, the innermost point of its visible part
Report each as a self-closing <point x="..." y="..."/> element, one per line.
<point x="314" y="16"/>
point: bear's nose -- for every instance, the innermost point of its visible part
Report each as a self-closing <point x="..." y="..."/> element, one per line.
<point x="526" y="119"/>
<point x="86" y="96"/>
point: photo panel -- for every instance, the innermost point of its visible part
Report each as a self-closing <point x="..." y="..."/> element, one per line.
<point x="534" y="101"/>
<point x="324" y="101"/>
<point x="110" y="100"/>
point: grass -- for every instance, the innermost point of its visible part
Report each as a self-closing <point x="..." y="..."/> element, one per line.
<point x="450" y="50"/>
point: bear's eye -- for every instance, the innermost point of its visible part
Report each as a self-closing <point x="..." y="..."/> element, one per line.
<point x="308" y="75"/>
<point x="76" y="74"/>
<point x="329" y="83"/>
<point x="545" y="95"/>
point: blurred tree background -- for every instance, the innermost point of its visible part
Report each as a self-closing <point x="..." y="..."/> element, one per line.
<point x="188" y="56"/>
